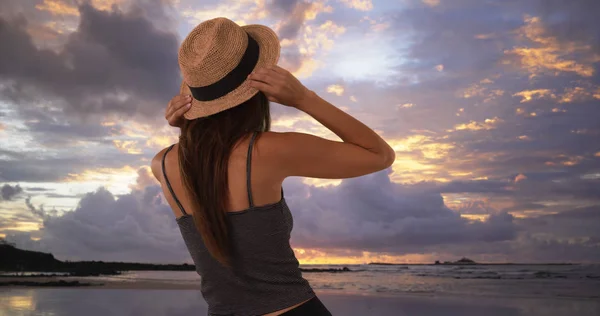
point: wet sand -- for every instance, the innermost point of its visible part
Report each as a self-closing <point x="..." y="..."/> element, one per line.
<point x="164" y="294"/>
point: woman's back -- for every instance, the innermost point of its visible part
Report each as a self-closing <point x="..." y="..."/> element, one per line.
<point x="223" y="179"/>
<point x="264" y="264"/>
<point x="266" y="187"/>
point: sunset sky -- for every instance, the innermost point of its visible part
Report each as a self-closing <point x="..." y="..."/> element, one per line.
<point x="492" y="106"/>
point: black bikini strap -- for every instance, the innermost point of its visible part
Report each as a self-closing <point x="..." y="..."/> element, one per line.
<point x="167" y="180"/>
<point x="248" y="174"/>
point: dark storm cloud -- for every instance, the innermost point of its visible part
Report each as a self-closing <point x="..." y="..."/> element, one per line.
<point x="369" y="213"/>
<point x="363" y="214"/>
<point x="37" y="168"/>
<point x="292" y="14"/>
<point x="8" y="192"/>
<point x="572" y="20"/>
<point x="19" y="7"/>
<point x="373" y="214"/>
<point x="133" y="227"/>
<point x="114" y="62"/>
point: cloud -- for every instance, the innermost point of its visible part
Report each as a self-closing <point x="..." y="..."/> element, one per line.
<point x="301" y="34"/>
<point x="520" y="177"/>
<point x="133" y="227"/>
<point x="371" y="213"/>
<point x="362" y="5"/>
<point x="547" y="54"/>
<point x="336" y="89"/>
<point x="9" y="192"/>
<point x="475" y="126"/>
<point x="431" y="3"/>
<point x="114" y="62"/>
<point x="529" y="95"/>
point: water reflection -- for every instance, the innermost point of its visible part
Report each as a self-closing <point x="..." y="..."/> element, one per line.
<point x="98" y="301"/>
<point x="19" y="302"/>
<point x="92" y="302"/>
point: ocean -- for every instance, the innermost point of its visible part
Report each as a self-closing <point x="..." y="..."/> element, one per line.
<point x="507" y="289"/>
<point x="577" y="281"/>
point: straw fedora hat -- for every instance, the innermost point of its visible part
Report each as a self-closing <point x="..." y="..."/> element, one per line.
<point x="215" y="60"/>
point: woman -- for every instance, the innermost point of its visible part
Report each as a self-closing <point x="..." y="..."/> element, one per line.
<point x="223" y="179"/>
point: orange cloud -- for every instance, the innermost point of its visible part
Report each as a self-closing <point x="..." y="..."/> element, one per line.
<point x="547" y="54"/>
<point x="577" y="94"/>
<point x="418" y="159"/>
<point x="597" y="154"/>
<point x="479" y="90"/>
<point x="473" y="90"/>
<point x="128" y="146"/>
<point x="336" y="89"/>
<point x="529" y="95"/>
<point x="485" y="36"/>
<point x="520" y="177"/>
<point x="116" y="180"/>
<point x="242" y="12"/>
<point x="362" y="5"/>
<point x="565" y="160"/>
<point x="375" y="25"/>
<point x="475" y="217"/>
<point x="58" y="7"/>
<point x="159" y="142"/>
<point x="47" y="33"/>
<point x="487" y="124"/>
<point x="314" y="42"/>
<point x="431" y="3"/>
<point x="62" y="7"/>
<point x="315" y="9"/>
<point x="571" y="161"/>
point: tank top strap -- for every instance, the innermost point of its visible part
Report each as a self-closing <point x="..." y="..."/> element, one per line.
<point x="168" y="183"/>
<point x="248" y="170"/>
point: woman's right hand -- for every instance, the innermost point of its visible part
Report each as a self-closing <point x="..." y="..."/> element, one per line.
<point x="280" y="86"/>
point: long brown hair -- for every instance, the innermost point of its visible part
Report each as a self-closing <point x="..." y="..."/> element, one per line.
<point x="205" y="145"/>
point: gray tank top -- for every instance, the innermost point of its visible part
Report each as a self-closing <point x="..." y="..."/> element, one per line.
<point x="266" y="276"/>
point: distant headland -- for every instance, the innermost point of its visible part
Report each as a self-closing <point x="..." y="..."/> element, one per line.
<point x="20" y="261"/>
<point x="464" y="261"/>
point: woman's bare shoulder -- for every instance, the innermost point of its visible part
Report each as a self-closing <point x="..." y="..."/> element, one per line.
<point x="273" y="144"/>
<point x="156" y="163"/>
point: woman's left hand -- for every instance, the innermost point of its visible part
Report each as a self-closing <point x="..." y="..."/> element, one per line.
<point x="176" y="108"/>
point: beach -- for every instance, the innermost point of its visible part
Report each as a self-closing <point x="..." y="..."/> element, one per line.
<point x="173" y="293"/>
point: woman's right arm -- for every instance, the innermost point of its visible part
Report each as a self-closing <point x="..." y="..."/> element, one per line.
<point x="297" y="154"/>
